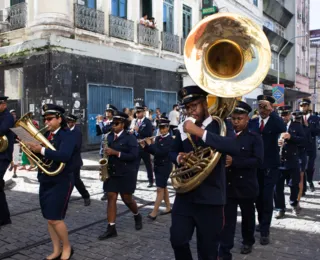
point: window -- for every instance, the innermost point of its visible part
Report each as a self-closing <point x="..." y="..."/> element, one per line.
<point x="187" y="19"/>
<point x="90" y="4"/>
<point x="274" y="62"/>
<point x="255" y="2"/>
<point x="14" y="2"/>
<point x="279" y="29"/>
<point x="168" y="16"/>
<point x="119" y="8"/>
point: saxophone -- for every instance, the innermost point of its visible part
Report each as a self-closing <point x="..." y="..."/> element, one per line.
<point x="103" y="172"/>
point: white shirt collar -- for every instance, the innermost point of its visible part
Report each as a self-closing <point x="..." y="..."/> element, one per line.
<point x="72" y="128"/>
<point x="118" y="135"/>
<point x="56" y="131"/>
<point x="264" y="120"/>
<point x="206" y="122"/>
<point x="288" y="125"/>
<point x="163" y="136"/>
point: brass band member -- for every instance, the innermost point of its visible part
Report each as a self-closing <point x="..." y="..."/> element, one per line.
<point x="162" y="165"/>
<point x="6" y="122"/>
<point x="123" y="154"/>
<point x="55" y="190"/>
<point x="242" y="184"/>
<point x="201" y="208"/>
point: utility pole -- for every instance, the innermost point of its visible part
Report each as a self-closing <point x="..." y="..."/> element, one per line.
<point x="315" y="78"/>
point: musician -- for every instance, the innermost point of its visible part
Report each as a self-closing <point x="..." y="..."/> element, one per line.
<point x="162" y="164"/>
<point x="6" y="122"/>
<point x="270" y="126"/>
<point x="123" y="153"/>
<point x="55" y="190"/>
<point x="289" y="163"/>
<point x="242" y="183"/>
<point x="312" y="122"/>
<point x="143" y="129"/>
<point x="302" y="150"/>
<point x="201" y="208"/>
<point x="71" y="120"/>
<point x="104" y="126"/>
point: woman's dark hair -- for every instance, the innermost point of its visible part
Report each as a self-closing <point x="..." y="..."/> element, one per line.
<point x="63" y="123"/>
<point x="126" y="124"/>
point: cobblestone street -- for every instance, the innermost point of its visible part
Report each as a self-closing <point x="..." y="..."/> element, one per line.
<point x="27" y="237"/>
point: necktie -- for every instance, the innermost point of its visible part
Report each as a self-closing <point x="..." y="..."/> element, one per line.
<point x="139" y="122"/>
<point x="237" y="134"/>
<point x="50" y="137"/>
<point x="261" y="126"/>
<point x="305" y="119"/>
<point x="115" y="137"/>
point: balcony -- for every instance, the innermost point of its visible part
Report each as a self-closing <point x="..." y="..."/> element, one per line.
<point x="277" y="12"/>
<point x="277" y="42"/>
<point x="148" y="36"/>
<point x="170" y="42"/>
<point x="17" y="16"/>
<point x="89" y="19"/>
<point x="121" y="28"/>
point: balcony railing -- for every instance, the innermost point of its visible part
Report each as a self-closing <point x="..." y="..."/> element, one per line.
<point x="148" y="36"/>
<point x="170" y="42"/>
<point x="121" y="28"/>
<point x="17" y="16"/>
<point x="89" y="19"/>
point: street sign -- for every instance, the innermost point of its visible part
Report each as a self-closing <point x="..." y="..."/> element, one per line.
<point x="209" y="10"/>
<point x="313" y="98"/>
<point x="278" y="94"/>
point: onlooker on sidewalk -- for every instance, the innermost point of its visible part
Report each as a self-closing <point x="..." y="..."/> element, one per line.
<point x="174" y="118"/>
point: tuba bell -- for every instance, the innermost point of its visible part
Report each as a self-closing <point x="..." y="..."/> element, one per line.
<point x="26" y="123"/>
<point x="228" y="56"/>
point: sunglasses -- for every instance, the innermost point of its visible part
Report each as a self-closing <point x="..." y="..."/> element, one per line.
<point x="116" y="123"/>
<point x="48" y="119"/>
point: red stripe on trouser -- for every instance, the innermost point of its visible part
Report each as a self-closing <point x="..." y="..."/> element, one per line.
<point x="66" y="200"/>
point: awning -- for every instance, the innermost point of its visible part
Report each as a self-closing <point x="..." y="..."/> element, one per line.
<point x="290" y="94"/>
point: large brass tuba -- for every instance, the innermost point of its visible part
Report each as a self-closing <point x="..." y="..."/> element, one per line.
<point x="26" y="123"/>
<point x="227" y="55"/>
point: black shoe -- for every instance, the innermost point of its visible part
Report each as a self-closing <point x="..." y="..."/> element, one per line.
<point x="111" y="232"/>
<point x="138" y="221"/>
<point x="70" y="255"/>
<point x="87" y="202"/>
<point x="104" y="197"/>
<point x="279" y="214"/>
<point x="5" y="222"/>
<point x="245" y="249"/>
<point x="14" y="175"/>
<point x="311" y="186"/>
<point x="152" y="218"/>
<point x="150" y="185"/>
<point x="264" y="240"/>
<point x="258" y="228"/>
<point x="165" y="212"/>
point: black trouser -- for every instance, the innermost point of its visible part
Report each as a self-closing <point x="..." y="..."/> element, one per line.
<point x="208" y="221"/>
<point x="4" y="209"/>
<point x="147" y="162"/>
<point x="79" y="184"/>
<point x="292" y="176"/>
<point x="267" y="179"/>
<point x="172" y="127"/>
<point x="312" y="155"/>
<point x="247" y="225"/>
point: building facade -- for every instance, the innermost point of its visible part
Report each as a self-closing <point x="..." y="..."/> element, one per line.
<point x="315" y="67"/>
<point x="84" y="54"/>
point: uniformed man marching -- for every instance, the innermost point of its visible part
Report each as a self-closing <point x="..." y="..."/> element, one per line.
<point x="104" y="126"/>
<point x="6" y="122"/>
<point x="123" y="154"/>
<point x="312" y="122"/>
<point x="270" y="126"/>
<point x="143" y="129"/>
<point x="55" y="190"/>
<point x="162" y="165"/>
<point x="289" y="167"/>
<point x="242" y="184"/>
<point x="71" y="120"/>
<point x="201" y="208"/>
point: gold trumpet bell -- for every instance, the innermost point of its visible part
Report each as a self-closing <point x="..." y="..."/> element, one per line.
<point x="227" y="55"/>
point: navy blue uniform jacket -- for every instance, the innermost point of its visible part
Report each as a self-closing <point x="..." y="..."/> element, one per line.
<point x="7" y="122"/>
<point x="77" y="154"/>
<point x="242" y="181"/>
<point x="145" y="130"/>
<point x="127" y="145"/>
<point x="290" y="151"/>
<point x="160" y="149"/>
<point x="314" y="128"/>
<point x="103" y="129"/>
<point x="213" y="189"/>
<point x="270" y="134"/>
<point x="64" y="141"/>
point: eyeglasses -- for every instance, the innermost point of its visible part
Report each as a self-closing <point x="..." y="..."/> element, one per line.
<point x="192" y="107"/>
<point x="48" y="119"/>
<point x="116" y="123"/>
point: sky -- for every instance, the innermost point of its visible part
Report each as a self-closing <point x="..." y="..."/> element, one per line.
<point x="314" y="14"/>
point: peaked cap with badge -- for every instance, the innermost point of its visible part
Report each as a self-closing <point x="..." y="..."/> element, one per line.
<point x="284" y="110"/>
<point x="52" y="109"/>
<point x="304" y="101"/>
<point x="242" y="108"/>
<point x="71" y="117"/>
<point x="266" y="98"/>
<point x="191" y="93"/>
<point x="120" y="115"/>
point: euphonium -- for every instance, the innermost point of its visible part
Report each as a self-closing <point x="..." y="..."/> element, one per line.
<point x="26" y="123"/>
<point x="227" y="55"/>
<point x="103" y="173"/>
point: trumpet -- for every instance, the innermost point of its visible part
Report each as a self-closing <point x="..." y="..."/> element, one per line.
<point x="147" y="138"/>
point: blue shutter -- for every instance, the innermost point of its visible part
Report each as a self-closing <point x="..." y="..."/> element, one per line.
<point x="114" y="8"/>
<point x="162" y="99"/>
